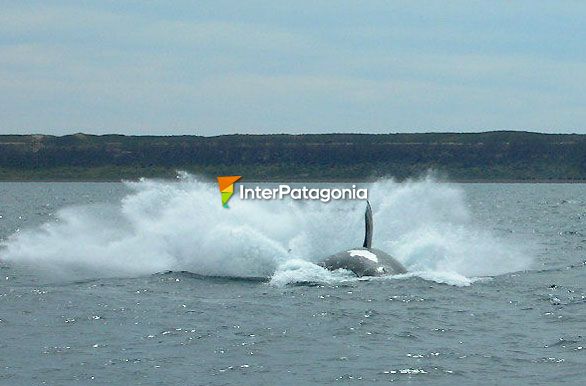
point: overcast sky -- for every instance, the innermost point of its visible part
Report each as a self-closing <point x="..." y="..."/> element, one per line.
<point x="218" y="67"/>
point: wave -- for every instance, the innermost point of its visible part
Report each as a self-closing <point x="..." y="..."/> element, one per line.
<point x="181" y="226"/>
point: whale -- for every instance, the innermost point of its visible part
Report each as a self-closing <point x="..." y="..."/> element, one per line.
<point x="365" y="260"/>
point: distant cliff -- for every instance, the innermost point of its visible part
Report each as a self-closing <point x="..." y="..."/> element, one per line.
<point x="490" y="156"/>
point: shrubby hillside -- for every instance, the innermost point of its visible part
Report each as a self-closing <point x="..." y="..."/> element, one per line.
<point x="490" y="156"/>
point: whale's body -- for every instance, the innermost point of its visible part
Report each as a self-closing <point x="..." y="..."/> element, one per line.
<point x="365" y="260"/>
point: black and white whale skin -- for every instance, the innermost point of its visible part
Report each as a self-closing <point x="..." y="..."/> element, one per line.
<point x="365" y="260"/>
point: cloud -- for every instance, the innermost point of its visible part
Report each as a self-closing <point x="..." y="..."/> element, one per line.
<point x="264" y="67"/>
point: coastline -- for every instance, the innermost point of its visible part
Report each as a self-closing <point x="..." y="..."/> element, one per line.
<point x="316" y="181"/>
<point x="487" y="157"/>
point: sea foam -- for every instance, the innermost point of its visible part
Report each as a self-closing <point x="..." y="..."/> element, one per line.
<point x="161" y="226"/>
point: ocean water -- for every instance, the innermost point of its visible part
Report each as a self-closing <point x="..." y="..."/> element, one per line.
<point x="154" y="283"/>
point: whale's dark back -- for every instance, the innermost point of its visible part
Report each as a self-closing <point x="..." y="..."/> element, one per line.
<point x="365" y="261"/>
<point x="362" y="266"/>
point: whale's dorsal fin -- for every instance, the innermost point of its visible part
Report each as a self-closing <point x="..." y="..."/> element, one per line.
<point x="368" y="226"/>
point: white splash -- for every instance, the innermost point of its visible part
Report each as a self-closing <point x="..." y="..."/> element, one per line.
<point x="163" y="226"/>
<point x="362" y="253"/>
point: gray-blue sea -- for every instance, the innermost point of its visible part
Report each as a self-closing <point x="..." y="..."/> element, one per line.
<point x="155" y="283"/>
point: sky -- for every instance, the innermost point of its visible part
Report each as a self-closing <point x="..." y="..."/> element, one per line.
<point x="162" y="67"/>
